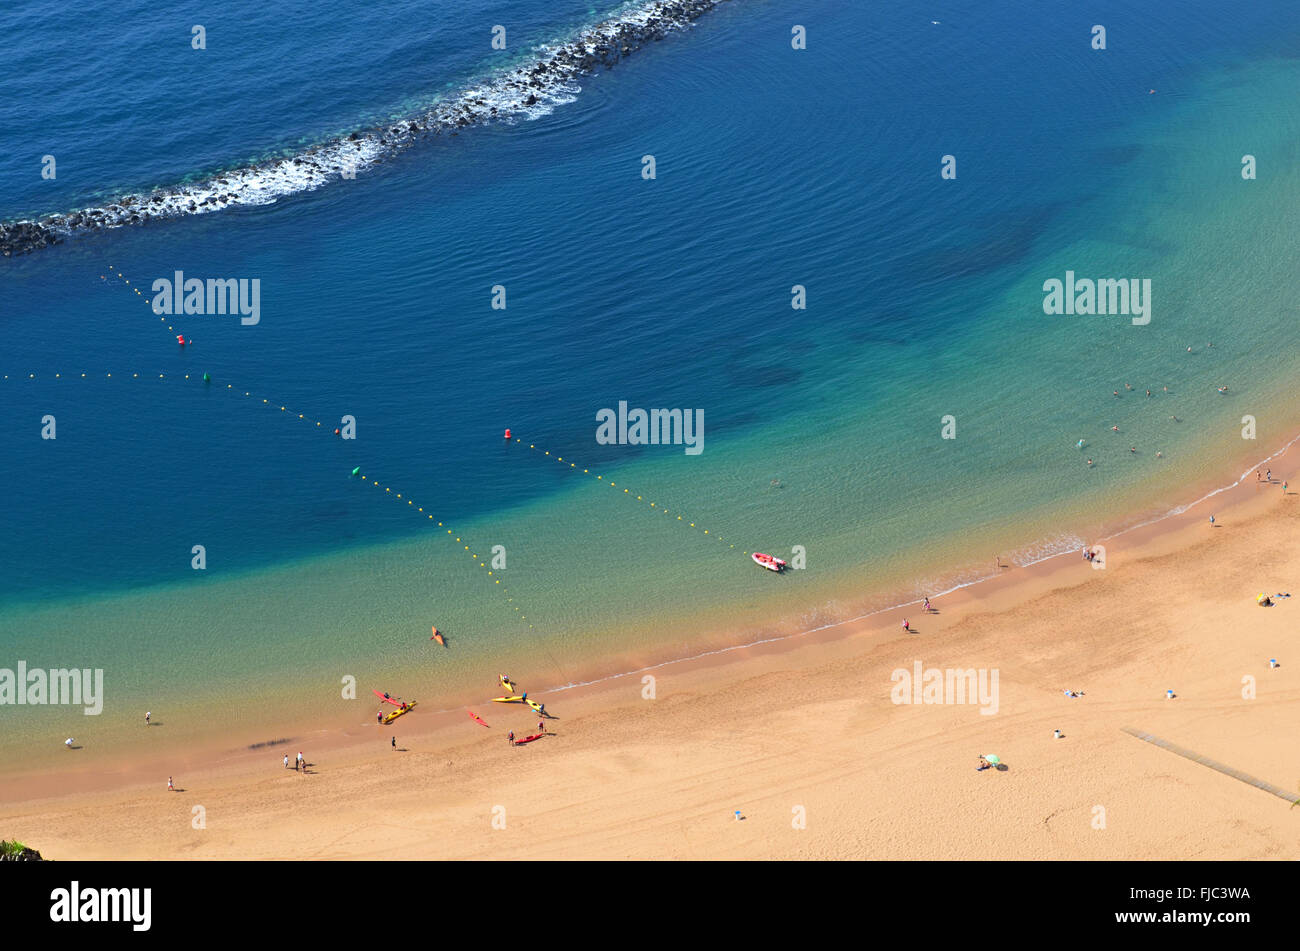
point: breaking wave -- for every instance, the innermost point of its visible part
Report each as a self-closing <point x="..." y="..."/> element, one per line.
<point x="528" y="90"/>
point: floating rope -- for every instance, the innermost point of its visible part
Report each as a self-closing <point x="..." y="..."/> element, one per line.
<point x="573" y="466"/>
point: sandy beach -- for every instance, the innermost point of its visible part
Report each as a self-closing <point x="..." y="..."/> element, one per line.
<point x="802" y="737"/>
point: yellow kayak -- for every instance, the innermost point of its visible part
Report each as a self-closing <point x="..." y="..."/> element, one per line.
<point x="507" y="699"/>
<point x="535" y="705"/>
<point x="398" y="712"/>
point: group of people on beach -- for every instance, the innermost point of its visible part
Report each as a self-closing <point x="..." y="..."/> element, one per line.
<point x="1268" y="477"/>
<point x="299" y="763"/>
<point x="926" y="608"/>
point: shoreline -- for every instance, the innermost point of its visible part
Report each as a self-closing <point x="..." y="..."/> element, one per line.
<point x="342" y="745"/>
<point x="611" y="663"/>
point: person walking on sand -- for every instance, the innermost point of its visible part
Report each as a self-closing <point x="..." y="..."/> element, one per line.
<point x="1268" y="476"/>
<point x="906" y="626"/>
<point x="1284" y="488"/>
<point x="394" y="744"/>
<point x="1211" y="521"/>
<point x="302" y="761"/>
<point x="511" y="737"/>
<point x="170" y="786"/>
<point x="927" y="604"/>
<point x="379" y="717"/>
<point x="286" y="760"/>
<point x="147" y="715"/>
<point x="68" y="742"/>
<point x="541" y="726"/>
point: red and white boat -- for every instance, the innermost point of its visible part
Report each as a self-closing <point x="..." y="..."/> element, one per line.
<point x="768" y="561"/>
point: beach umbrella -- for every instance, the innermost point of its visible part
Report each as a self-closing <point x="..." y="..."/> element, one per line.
<point x="992" y="758"/>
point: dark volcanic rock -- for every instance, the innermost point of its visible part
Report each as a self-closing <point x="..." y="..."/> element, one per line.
<point x="26" y="855"/>
<point x="522" y="87"/>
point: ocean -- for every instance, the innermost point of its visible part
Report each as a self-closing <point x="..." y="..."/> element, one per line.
<point x="775" y="168"/>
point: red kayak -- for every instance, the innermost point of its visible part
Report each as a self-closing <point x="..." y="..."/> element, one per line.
<point x="387" y="699"/>
<point x="529" y="739"/>
<point x="476" y="718"/>
<point x="769" y="562"/>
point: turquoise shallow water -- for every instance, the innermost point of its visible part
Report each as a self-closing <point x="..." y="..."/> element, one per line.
<point x="924" y="300"/>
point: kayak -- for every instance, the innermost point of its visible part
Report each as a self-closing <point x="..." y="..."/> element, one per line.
<point x="437" y="636"/>
<point x="529" y="739"/>
<point x="534" y="704"/>
<point x="399" y="711"/>
<point x="476" y="718"/>
<point x="507" y="699"/>
<point x="768" y="561"/>
<point x="387" y="699"/>
<point x="508" y="684"/>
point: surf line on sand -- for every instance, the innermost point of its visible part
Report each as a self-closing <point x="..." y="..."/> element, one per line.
<point x="1214" y="765"/>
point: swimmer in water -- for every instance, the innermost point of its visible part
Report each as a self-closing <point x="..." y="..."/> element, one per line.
<point x="1223" y="389"/>
<point x="1132" y="449"/>
<point x="1148" y="392"/>
<point x="1089" y="463"/>
<point x="1128" y="386"/>
<point x="1116" y="392"/>
<point x="1160" y="455"/>
<point x="1114" y="429"/>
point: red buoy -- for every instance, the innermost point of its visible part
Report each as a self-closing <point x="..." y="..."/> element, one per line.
<point x="180" y="338"/>
<point x="507" y="434"/>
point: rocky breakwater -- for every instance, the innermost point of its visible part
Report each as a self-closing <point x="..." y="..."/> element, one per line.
<point x="525" y="91"/>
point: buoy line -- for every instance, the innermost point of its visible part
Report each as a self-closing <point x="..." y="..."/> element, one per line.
<point x="230" y="387"/>
<point x="573" y="466"/>
<point x="481" y="563"/>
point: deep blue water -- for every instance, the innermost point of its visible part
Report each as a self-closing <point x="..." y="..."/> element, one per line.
<point x="775" y="167"/>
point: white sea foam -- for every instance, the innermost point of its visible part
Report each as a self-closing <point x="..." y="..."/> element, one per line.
<point x="527" y="91"/>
